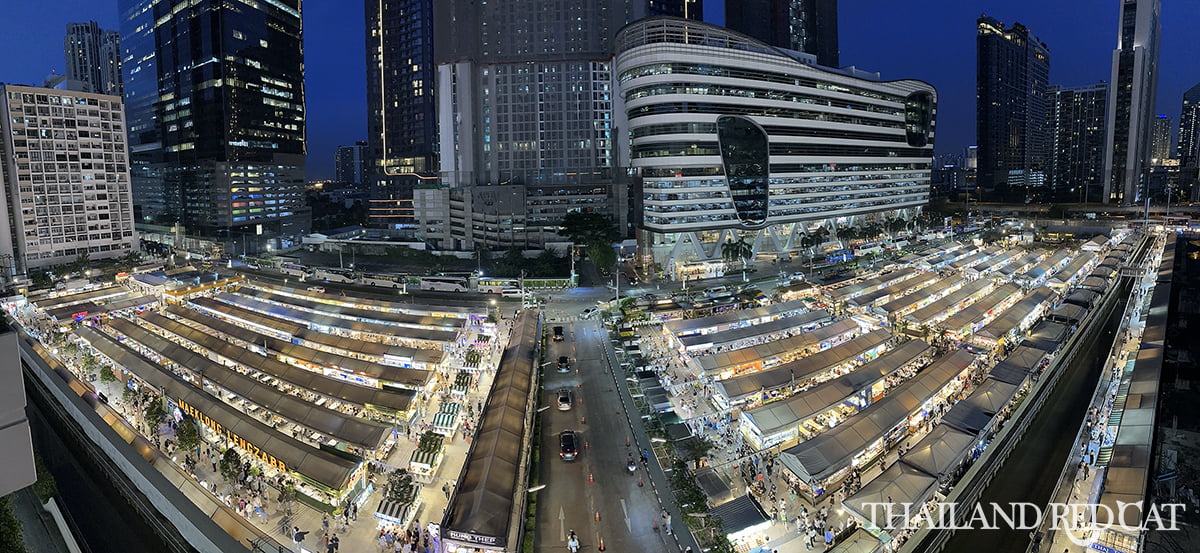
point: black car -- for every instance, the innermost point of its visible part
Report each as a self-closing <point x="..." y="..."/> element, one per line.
<point x="558" y="334"/>
<point x="564" y="363"/>
<point x="567" y="445"/>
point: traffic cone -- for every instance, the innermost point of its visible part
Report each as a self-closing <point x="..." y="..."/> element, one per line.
<point x="601" y="548"/>
<point x="586" y="444"/>
<point x="640" y="484"/>
<point x="626" y="441"/>
<point x="654" y="521"/>
<point x="582" y="420"/>
<point x="597" y="516"/>
<point x="590" y="479"/>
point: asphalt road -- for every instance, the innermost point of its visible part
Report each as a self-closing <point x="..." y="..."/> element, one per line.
<point x="598" y="481"/>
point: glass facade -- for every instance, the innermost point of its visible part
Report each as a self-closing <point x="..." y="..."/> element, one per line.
<point x="401" y="113"/>
<point x="216" y="115"/>
<point x="744" y="154"/>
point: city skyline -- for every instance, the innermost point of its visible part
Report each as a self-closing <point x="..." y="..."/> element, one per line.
<point x="335" y="60"/>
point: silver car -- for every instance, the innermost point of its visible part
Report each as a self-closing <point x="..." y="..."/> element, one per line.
<point x="565" y="399"/>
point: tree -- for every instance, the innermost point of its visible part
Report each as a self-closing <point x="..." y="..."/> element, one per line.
<point x="106" y="374"/>
<point x="400" y="487"/>
<point x="154" y="412"/>
<point x="602" y="255"/>
<point x="11" y="538"/>
<point x="128" y="395"/>
<point x="187" y="435"/>
<point x="230" y="465"/>
<point x="587" y="228"/>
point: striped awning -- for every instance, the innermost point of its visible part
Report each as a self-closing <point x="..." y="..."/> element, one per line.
<point x="392" y="511"/>
<point x="449" y="407"/>
<point x="445" y="420"/>
<point x="424" y="457"/>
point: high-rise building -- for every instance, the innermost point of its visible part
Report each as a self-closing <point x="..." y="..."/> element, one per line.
<point x="1131" y="101"/>
<point x="1189" y="128"/>
<point x="65" y="178"/>
<point x="215" y="100"/>
<point x="809" y="26"/>
<point x="93" y="57"/>
<point x="1077" y="123"/>
<point x="350" y="163"/>
<point x="1160" y="140"/>
<point x="1011" y="106"/>
<point x="401" y="113"/>
<point x="525" y="96"/>
<point x="744" y="142"/>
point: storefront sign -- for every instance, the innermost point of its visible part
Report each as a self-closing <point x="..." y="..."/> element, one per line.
<point x="241" y="443"/>
<point x="476" y="538"/>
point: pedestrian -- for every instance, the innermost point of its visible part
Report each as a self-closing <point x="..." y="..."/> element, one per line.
<point x="666" y="521"/>
<point x="325" y="523"/>
<point x="354" y="511"/>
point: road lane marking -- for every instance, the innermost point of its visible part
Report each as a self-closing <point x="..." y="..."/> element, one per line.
<point x="628" y="526"/>
<point x="562" y="531"/>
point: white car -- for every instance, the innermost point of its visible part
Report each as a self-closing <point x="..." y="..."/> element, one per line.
<point x="588" y="312"/>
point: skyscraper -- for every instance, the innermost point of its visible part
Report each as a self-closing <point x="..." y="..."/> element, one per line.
<point x="65" y="179"/>
<point x="809" y="26"/>
<point x="93" y="57"/>
<point x="1189" y="128"/>
<point x="350" y="163"/>
<point x="525" y="97"/>
<point x="1077" y="141"/>
<point x="1010" y="103"/>
<point x="215" y="99"/>
<point x="1160" y="140"/>
<point x="1131" y="101"/>
<point x="401" y="116"/>
<point x="525" y="90"/>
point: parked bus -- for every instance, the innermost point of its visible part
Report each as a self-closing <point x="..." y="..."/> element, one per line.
<point x="868" y="248"/>
<point x="444" y="284"/>
<point x="344" y="276"/>
<point x="489" y="285"/>
<point x="382" y="280"/>
<point x="838" y="256"/>
<point x="294" y="270"/>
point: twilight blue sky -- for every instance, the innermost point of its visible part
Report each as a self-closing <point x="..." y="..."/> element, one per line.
<point x="932" y="40"/>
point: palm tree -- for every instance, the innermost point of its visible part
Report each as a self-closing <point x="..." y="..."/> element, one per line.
<point x="739" y="249"/>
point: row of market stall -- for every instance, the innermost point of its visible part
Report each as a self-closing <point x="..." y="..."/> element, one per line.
<point x="311" y="388"/>
<point x="926" y="471"/>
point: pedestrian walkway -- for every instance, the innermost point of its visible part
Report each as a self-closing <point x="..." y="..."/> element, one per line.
<point x="1097" y="435"/>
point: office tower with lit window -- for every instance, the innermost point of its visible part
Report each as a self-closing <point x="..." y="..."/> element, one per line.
<point x="93" y="57"/>
<point x="401" y="113"/>
<point x="809" y="26"/>
<point x="215" y="100"/>
<point x="65" y="179"/>
<point x="1131" y="99"/>
<point x="350" y="163"/>
<point x="1011" y="105"/>
<point x="524" y="98"/>
<point x="1077" y="142"/>
<point x="1160" y="140"/>
<point x="1189" y="128"/>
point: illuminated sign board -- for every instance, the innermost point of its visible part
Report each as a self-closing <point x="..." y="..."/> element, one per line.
<point x="241" y="443"/>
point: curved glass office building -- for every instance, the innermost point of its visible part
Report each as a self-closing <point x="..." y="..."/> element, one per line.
<point x="735" y="139"/>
